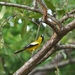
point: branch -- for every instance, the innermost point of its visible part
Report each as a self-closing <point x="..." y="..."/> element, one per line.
<point x="67" y="46"/>
<point x="68" y="27"/>
<point x="53" y="26"/>
<point x="32" y="9"/>
<point x="56" y="48"/>
<point x="54" y="22"/>
<point x="44" y="8"/>
<point x="58" y="58"/>
<point x="72" y="11"/>
<point x="19" y="6"/>
<point x="68" y="15"/>
<point x="49" y="53"/>
<point x="28" y="66"/>
<point x="51" y="67"/>
<point x="35" y="4"/>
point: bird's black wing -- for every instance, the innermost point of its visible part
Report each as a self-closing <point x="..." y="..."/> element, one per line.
<point x="28" y="46"/>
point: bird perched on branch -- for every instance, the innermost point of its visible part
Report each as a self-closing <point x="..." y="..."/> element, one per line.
<point x="32" y="46"/>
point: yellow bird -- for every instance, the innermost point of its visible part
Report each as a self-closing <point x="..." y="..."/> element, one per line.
<point x="32" y="46"/>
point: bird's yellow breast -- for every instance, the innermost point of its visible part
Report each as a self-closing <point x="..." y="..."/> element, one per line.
<point x="33" y="48"/>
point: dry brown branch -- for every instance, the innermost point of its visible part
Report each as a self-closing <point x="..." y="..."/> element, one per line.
<point x="19" y="6"/>
<point x="67" y="16"/>
<point x="54" y="22"/>
<point x="53" y="26"/>
<point x="67" y="46"/>
<point x="55" y="61"/>
<point x="57" y="48"/>
<point x="51" y="67"/>
<point x="68" y="27"/>
<point x="72" y="11"/>
<point x="44" y="9"/>
<point x="27" y="67"/>
<point x="35" y="4"/>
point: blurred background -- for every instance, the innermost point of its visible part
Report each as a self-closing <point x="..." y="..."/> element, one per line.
<point x="19" y="27"/>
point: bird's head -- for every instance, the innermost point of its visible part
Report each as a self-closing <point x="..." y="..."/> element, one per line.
<point x="42" y="37"/>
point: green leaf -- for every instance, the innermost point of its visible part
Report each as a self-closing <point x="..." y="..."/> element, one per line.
<point x="15" y="21"/>
<point x="35" y="15"/>
<point x="49" y="5"/>
<point x="6" y="50"/>
<point x="1" y="42"/>
<point x="2" y="12"/>
<point x="64" y="55"/>
<point x="58" y="72"/>
<point x="23" y="30"/>
<point x="61" y="11"/>
<point x="13" y="1"/>
<point x="64" y="39"/>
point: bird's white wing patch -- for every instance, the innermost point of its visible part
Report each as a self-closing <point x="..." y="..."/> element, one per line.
<point x="31" y="45"/>
<point x="34" y="43"/>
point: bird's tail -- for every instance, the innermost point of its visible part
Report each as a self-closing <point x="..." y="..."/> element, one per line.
<point x="19" y="51"/>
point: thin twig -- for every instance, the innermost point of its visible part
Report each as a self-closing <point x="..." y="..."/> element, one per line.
<point x="13" y="52"/>
<point x="72" y="11"/>
<point x="67" y="16"/>
<point x="34" y="10"/>
<point x="67" y="46"/>
<point x="19" y="6"/>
